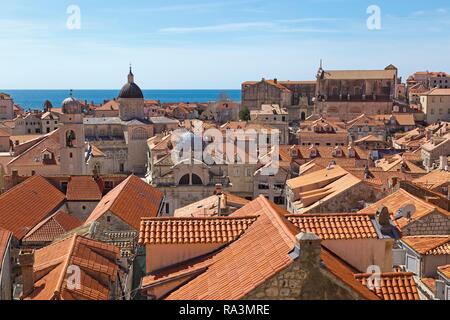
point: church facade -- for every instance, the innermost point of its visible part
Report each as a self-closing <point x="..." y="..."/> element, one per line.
<point x="346" y="94"/>
<point x="122" y="141"/>
<point x="85" y="145"/>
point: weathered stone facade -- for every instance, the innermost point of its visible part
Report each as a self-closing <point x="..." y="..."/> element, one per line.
<point x="433" y="224"/>
<point x="305" y="279"/>
<point x="348" y="200"/>
<point x="287" y="94"/>
<point x="348" y="93"/>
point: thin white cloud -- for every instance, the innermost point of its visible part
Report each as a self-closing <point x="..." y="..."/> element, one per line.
<point x="279" y="26"/>
<point x="305" y="20"/>
<point x="196" y="6"/>
<point x="220" y="27"/>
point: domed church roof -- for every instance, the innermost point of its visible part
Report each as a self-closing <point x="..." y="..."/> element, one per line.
<point x="71" y="105"/>
<point x="131" y="90"/>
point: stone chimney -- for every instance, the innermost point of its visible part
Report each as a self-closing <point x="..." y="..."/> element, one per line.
<point x="443" y="162"/>
<point x="309" y="262"/>
<point x="26" y="262"/>
<point x="310" y="246"/>
<point x="384" y="220"/>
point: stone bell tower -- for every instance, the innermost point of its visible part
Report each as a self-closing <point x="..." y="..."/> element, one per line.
<point x="72" y="138"/>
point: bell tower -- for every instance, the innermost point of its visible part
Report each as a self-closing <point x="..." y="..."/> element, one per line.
<point x="72" y="138"/>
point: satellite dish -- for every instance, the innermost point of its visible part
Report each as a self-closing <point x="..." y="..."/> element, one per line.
<point x="406" y="211"/>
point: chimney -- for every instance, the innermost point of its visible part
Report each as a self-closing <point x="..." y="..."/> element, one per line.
<point x="310" y="247"/>
<point x="443" y="162"/>
<point x="384" y="220"/>
<point x="218" y="190"/>
<point x="275" y="80"/>
<point x="26" y="262"/>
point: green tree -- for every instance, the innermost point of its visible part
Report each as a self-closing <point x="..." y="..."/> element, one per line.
<point x="244" y="114"/>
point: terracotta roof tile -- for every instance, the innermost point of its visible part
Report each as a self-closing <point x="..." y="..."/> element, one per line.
<point x="399" y="199"/>
<point x="131" y="201"/>
<point x="192" y="230"/>
<point x="434" y="179"/>
<point x="83" y="188"/>
<point x="445" y="270"/>
<point x="97" y="263"/>
<point x="336" y="226"/>
<point x="27" y="204"/>
<point x="429" y="245"/>
<point x="256" y="256"/>
<point x="345" y="273"/>
<point x="393" y="286"/>
<point x="51" y="228"/>
<point x="209" y="207"/>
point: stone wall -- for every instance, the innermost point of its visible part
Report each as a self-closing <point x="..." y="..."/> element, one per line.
<point x="348" y="200"/>
<point x="433" y="224"/>
<point x="304" y="279"/>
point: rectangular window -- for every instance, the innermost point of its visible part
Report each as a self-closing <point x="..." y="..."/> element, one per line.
<point x="263" y="186"/>
<point x="278" y="200"/>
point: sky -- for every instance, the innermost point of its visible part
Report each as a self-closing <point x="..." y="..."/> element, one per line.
<point x="212" y="44"/>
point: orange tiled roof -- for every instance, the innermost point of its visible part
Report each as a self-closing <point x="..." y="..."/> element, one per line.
<point x="434" y="179"/>
<point x="131" y="201"/>
<point x="343" y="226"/>
<point x="83" y="188"/>
<point x="393" y="286"/>
<point x="429" y="245"/>
<point x="398" y="200"/>
<point x="111" y="105"/>
<point x="256" y="256"/>
<point x="445" y="270"/>
<point x="5" y="237"/>
<point x="209" y="207"/>
<point x="193" y="230"/>
<point x="97" y="263"/>
<point x="52" y="227"/>
<point x="27" y="204"/>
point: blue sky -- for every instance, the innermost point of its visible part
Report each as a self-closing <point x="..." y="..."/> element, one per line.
<point x="213" y="44"/>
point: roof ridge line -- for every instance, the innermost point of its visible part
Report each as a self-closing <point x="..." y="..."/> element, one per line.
<point x="282" y="222"/>
<point x="45" y="137"/>
<point x="65" y="266"/>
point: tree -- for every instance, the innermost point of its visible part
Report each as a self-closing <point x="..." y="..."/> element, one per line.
<point x="244" y="114"/>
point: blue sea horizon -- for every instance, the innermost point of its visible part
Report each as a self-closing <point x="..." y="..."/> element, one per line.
<point x="34" y="99"/>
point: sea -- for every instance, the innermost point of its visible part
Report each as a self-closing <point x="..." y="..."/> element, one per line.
<point x="34" y="99"/>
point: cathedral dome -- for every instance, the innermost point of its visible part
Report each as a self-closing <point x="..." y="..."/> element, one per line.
<point x="71" y="105"/>
<point x="131" y="90"/>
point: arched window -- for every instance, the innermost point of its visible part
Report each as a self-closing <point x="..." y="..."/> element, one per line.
<point x="185" y="180"/>
<point x="303" y="116"/>
<point x="196" y="180"/>
<point x="97" y="169"/>
<point x="140" y="134"/>
<point x="70" y="138"/>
